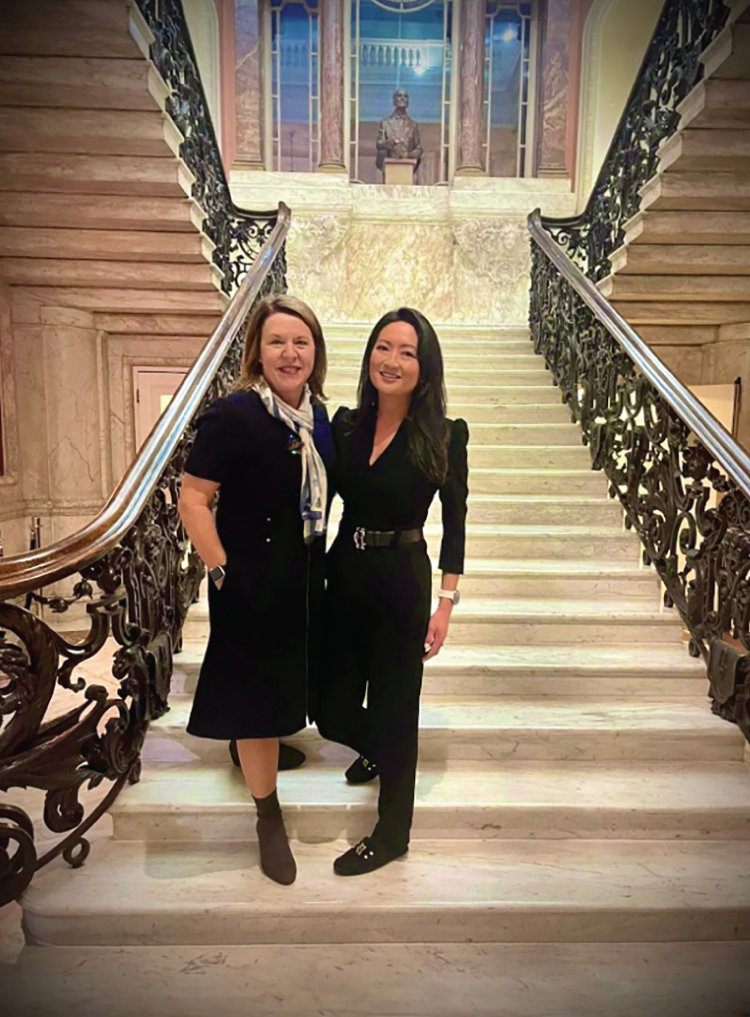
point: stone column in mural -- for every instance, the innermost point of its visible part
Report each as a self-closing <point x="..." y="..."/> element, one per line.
<point x="248" y="78"/>
<point x="554" y="78"/>
<point x="471" y="103"/>
<point x="331" y="29"/>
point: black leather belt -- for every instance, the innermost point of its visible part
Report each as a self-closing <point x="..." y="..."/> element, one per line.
<point x="364" y="539"/>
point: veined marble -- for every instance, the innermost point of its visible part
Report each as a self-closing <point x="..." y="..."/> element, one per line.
<point x="461" y="253"/>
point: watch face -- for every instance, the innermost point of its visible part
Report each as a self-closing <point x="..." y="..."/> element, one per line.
<point x="456" y="597"/>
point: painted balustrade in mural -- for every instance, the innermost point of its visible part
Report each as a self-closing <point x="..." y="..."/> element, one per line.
<point x="670" y="69"/>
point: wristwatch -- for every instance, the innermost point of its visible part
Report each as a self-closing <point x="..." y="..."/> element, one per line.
<point x="217" y="575"/>
<point x="452" y="595"/>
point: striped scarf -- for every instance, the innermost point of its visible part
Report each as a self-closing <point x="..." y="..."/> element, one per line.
<point x="314" y="490"/>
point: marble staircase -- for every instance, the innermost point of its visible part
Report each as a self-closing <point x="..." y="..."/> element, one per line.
<point x="575" y="792"/>
<point x="96" y="210"/>
<point x="682" y="277"/>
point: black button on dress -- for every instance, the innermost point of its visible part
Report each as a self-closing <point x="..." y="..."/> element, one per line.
<point x="265" y="620"/>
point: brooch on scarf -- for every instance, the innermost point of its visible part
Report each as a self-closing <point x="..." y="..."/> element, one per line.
<point x="294" y="445"/>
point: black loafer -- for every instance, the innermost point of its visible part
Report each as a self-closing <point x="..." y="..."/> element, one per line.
<point x="289" y="757"/>
<point x="367" y="856"/>
<point x="361" y="771"/>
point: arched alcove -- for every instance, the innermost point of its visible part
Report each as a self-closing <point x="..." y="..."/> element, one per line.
<point x="615" y="38"/>
<point x="203" y="24"/>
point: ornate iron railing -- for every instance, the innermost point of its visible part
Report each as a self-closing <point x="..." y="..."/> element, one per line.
<point x="670" y="69"/>
<point x="237" y="234"/>
<point x="137" y="575"/>
<point x="683" y="482"/>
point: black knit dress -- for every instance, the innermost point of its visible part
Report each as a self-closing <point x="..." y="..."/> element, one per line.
<point x="264" y="646"/>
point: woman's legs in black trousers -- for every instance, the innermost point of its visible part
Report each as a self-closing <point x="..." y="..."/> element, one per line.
<point x="378" y="646"/>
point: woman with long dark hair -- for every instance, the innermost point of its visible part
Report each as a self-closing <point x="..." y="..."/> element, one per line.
<point x="393" y="453"/>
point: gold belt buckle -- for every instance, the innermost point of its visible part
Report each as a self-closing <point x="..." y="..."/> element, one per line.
<point x="359" y="538"/>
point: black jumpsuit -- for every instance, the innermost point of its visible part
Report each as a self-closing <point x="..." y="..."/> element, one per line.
<point x="378" y="608"/>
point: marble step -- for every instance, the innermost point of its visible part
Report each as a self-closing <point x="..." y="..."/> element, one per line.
<point x="353" y="335"/>
<point x="677" y="311"/>
<point x="529" y="482"/>
<point x="714" y="150"/>
<point x="483" y="728"/>
<point x="359" y="980"/>
<point x="142" y="246"/>
<point x="566" y="580"/>
<point x="717" y="105"/>
<point x="46" y="28"/>
<point x="666" y="671"/>
<point x="205" y="304"/>
<point x="551" y="542"/>
<point x="115" y="175"/>
<point x="687" y="288"/>
<point x="344" y="393"/>
<point x="688" y="227"/>
<point x="496" y="891"/>
<point x="533" y="509"/>
<point x="460" y="374"/>
<point x="147" y="275"/>
<point x="678" y="335"/>
<point x="101" y="212"/>
<point x="89" y="132"/>
<point x="706" y="192"/>
<point x="122" y="323"/>
<point x="728" y="56"/>
<point x="540" y="457"/>
<point x="453" y="360"/>
<point x="503" y="801"/>
<point x="80" y="83"/>
<point x="523" y="620"/>
<point x="484" y="413"/>
<point x="682" y="259"/>
<point x="558" y="622"/>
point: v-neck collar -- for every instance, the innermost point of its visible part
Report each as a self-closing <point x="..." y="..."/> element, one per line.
<point x="371" y="442"/>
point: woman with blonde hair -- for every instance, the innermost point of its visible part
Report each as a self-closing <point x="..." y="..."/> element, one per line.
<point x="265" y="450"/>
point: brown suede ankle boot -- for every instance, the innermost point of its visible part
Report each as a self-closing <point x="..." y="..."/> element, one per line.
<point x="276" y="858"/>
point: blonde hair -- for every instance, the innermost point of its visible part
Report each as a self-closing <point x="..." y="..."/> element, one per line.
<point x="251" y="369"/>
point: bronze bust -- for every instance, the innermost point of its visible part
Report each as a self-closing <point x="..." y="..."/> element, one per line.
<point x="398" y="134"/>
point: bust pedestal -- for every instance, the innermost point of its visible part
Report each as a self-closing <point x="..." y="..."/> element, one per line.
<point x="399" y="171"/>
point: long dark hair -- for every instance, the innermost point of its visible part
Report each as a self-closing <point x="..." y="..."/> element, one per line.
<point x="428" y="446"/>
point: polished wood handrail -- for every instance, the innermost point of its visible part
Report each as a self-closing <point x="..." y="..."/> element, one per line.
<point x="32" y="569"/>
<point x="713" y="435"/>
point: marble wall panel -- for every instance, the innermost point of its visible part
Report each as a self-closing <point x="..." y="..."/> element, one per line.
<point x="492" y="272"/>
<point x="73" y="410"/>
<point x="388" y="265"/>
<point x="555" y="98"/>
<point x="248" y="81"/>
<point x="31" y="398"/>
<point x="723" y="362"/>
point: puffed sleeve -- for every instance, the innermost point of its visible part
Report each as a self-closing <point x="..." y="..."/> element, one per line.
<point x="453" y="495"/>
<point x="215" y="446"/>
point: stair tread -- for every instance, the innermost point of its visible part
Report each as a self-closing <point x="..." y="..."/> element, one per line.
<point x="619" y="658"/>
<point x="531" y="609"/>
<point x="511" y="713"/>
<point x="216" y="787"/>
<point x="650" y="979"/>
<point x="222" y="881"/>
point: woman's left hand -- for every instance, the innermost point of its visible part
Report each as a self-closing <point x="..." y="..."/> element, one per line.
<point x="437" y="630"/>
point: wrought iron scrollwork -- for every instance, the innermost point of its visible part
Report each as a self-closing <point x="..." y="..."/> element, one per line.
<point x="670" y="69"/>
<point x="238" y="234"/>
<point x="138" y="594"/>
<point x="691" y="517"/>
